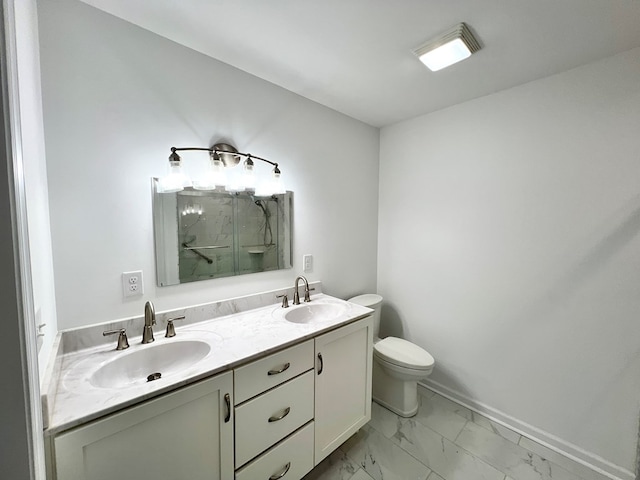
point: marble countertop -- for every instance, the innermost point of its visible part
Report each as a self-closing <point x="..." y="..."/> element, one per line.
<point x="234" y="340"/>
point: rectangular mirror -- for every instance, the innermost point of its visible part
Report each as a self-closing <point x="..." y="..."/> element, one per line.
<point x="209" y="234"/>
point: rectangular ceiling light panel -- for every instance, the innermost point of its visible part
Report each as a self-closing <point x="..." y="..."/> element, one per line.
<point x="454" y="45"/>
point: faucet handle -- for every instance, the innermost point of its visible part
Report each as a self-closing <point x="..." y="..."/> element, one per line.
<point x="285" y="300"/>
<point x="307" y="298"/>
<point x="123" y="343"/>
<point x="171" y="330"/>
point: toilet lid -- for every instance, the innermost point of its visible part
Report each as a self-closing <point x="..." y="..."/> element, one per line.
<point x="370" y="300"/>
<point x="403" y="353"/>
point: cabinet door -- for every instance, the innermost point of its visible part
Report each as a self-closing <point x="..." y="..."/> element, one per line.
<point x="343" y="384"/>
<point x="184" y="434"/>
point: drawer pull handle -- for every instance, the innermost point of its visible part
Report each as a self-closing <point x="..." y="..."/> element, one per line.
<point x="321" y="364"/>
<point x="276" y="372"/>
<point x="281" y="474"/>
<point x="227" y="401"/>
<point x="284" y="413"/>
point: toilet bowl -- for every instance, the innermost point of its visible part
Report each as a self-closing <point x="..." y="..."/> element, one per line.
<point x="398" y="365"/>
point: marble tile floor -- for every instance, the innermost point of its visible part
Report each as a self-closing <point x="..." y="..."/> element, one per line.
<point x="444" y="441"/>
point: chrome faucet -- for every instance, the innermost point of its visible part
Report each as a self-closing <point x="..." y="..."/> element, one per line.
<point x="296" y="295"/>
<point x="149" y="321"/>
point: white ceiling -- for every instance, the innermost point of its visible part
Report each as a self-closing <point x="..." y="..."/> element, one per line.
<point x="355" y="55"/>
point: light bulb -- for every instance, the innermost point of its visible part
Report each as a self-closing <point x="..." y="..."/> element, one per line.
<point x="212" y="178"/>
<point x="249" y="176"/>
<point x="175" y="181"/>
<point x="278" y="185"/>
<point x="271" y="186"/>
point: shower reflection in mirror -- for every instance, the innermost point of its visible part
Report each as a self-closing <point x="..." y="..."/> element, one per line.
<point x="201" y="235"/>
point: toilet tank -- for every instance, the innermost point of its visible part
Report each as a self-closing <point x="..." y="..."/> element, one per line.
<point x="374" y="301"/>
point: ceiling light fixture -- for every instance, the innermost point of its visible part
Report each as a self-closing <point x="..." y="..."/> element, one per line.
<point x="452" y="46"/>
<point x="222" y="157"/>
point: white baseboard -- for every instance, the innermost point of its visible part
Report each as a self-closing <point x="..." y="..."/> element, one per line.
<point x="569" y="450"/>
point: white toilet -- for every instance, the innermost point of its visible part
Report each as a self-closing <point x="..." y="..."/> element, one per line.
<point x="398" y="365"/>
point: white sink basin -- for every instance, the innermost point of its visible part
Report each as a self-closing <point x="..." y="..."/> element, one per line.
<point x="132" y="368"/>
<point x="313" y="312"/>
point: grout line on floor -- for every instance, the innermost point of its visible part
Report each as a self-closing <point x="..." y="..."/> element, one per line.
<point x="460" y="432"/>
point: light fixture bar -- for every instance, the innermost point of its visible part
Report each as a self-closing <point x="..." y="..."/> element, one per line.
<point x="223" y="156"/>
<point x="451" y="47"/>
<point x="221" y="152"/>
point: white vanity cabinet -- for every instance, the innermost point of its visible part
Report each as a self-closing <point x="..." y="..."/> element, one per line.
<point x="343" y="384"/>
<point x="286" y="411"/>
<point x="184" y="434"/>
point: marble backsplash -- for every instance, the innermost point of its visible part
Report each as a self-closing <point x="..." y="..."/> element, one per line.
<point x="91" y="336"/>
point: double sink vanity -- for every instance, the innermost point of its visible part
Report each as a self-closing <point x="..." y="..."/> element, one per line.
<point x="246" y="389"/>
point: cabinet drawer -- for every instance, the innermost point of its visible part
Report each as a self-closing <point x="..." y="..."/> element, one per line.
<point x="293" y="455"/>
<point x="268" y="372"/>
<point x="258" y="425"/>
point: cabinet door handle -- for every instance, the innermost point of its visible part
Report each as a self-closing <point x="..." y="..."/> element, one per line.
<point x="276" y="476"/>
<point x="276" y="372"/>
<point x="284" y="413"/>
<point x="227" y="401"/>
<point x="321" y="364"/>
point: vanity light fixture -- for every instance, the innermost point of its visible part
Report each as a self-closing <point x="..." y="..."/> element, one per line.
<point x="452" y="46"/>
<point x="222" y="157"/>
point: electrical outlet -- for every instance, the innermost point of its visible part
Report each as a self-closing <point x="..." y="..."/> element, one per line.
<point x="307" y="263"/>
<point x="132" y="284"/>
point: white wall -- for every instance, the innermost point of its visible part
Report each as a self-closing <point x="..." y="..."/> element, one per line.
<point x="509" y="248"/>
<point x="35" y="176"/>
<point x="117" y="97"/>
